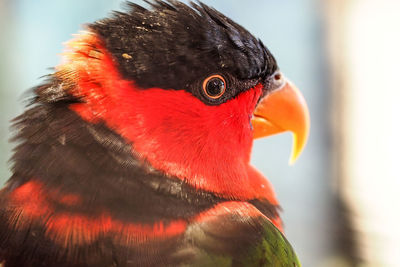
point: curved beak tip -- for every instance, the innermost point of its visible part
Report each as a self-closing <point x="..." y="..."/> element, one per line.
<point x="297" y="148"/>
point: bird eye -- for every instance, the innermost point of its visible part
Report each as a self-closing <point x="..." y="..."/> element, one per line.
<point x="214" y="86"/>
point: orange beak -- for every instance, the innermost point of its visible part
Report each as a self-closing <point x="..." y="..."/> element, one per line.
<point x="283" y="110"/>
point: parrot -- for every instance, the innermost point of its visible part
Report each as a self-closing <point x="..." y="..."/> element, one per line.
<point x="136" y="149"/>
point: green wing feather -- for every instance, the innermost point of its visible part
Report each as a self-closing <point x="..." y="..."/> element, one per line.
<point x="236" y="240"/>
<point x="273" y="250"/>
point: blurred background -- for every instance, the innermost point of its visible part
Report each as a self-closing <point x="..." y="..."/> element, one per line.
<point x="340" y="199"/>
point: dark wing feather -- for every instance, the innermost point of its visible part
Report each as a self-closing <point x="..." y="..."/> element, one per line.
<point x="236" y="237"/>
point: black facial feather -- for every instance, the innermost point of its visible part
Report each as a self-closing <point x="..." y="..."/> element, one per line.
<point x="176" y="46"/>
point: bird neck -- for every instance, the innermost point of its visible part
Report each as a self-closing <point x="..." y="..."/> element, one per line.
<point x="209" y="147"/>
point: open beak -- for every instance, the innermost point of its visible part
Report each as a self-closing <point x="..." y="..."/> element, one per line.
<point x="283" y="110"/>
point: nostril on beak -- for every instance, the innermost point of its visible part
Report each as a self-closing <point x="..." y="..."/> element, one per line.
<point x="277" y="80"/>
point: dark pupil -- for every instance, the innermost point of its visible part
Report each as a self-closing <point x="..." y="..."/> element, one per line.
<point x="215" y="86"/>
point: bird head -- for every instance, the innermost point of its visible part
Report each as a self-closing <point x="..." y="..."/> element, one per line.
<point x="188" y="89"/>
